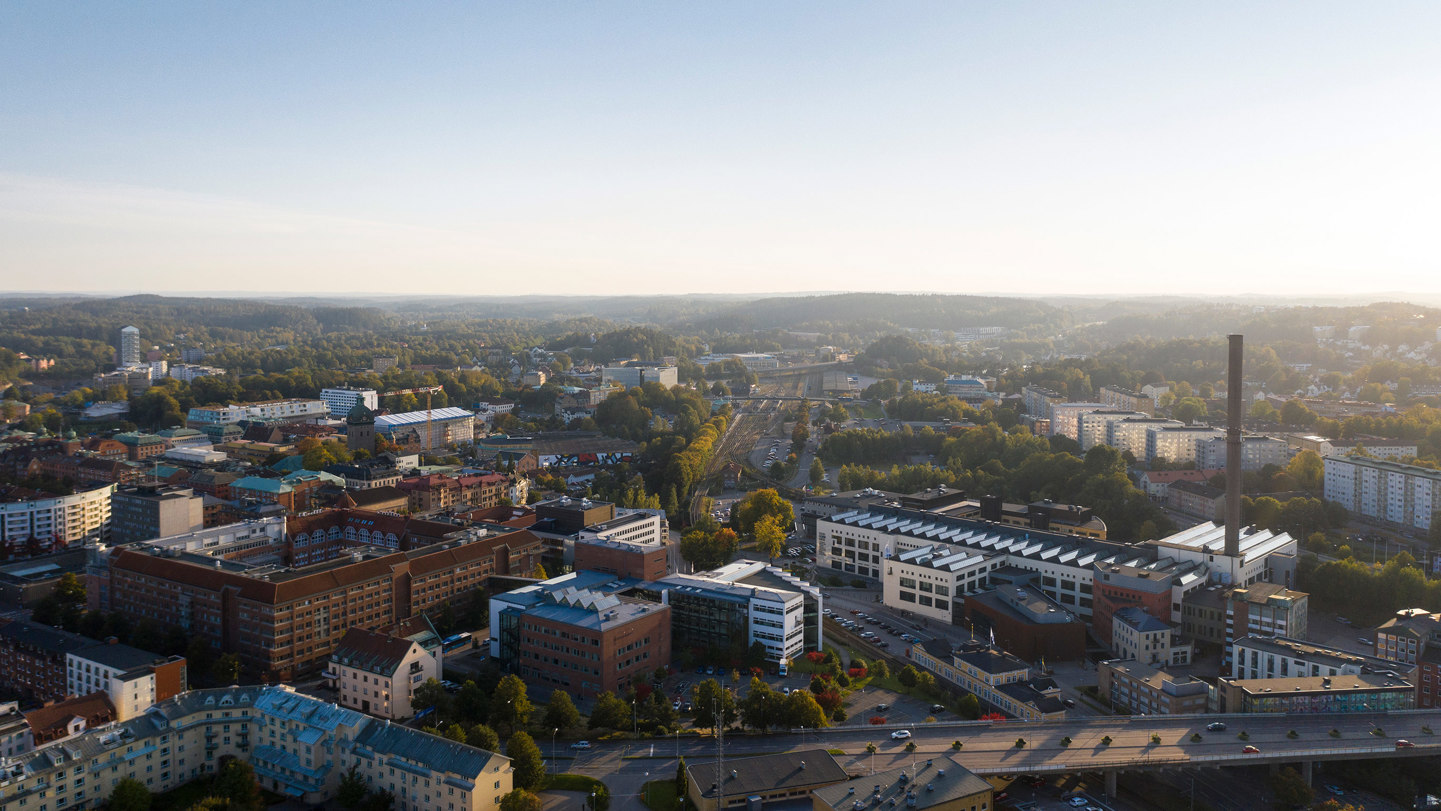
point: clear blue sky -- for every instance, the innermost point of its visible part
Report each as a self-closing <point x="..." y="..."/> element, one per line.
<point x="704" y="147"/>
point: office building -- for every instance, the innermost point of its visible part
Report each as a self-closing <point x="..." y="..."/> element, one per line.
<point x="1143" y="689"/>
<point x="633" y="544"/>
<point x="1413" y="638"/>
<point x="587" y="642"/>
<point x="635" y="373"/>
<point x="146" y="512"/>
<point x="338" y="401"/>
<point x="1360" y="692"/>
<point x="1267" y="657"/>
<point x="1140" y="637"/>
<point x="278" y="732"/>
<point x="931" y="581"/>
<point x="282" y="606"/>
<point x="723" y="612"/>
<point x="1027" y="623"/>
<point x="997" y="678"/>
<point x="281" y="411"/>
<point x="1221" y="615"/>
<point x="1399" y="494"/>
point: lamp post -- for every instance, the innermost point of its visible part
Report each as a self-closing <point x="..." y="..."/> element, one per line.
<point x="635" y="717"/>
<point x="553" y="732"/>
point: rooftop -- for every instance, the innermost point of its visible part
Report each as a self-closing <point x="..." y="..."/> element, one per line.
<point x="1316" y="684"/>
<point x="765" y="775"/>
<point x="1138" y="619"/>
<point x="936" y="781"/>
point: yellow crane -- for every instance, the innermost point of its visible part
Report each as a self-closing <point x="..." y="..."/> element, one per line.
<point x="428" y="391"/>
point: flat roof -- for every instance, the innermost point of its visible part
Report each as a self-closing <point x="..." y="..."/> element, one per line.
<point x="781" y="771"/>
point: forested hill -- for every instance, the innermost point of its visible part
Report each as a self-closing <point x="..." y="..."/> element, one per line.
<point x="861" y="312"/>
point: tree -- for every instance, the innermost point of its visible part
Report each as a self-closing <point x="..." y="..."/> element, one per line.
<point x="609" y="712"/>
<point x="351" y="792"/>
<point x="539" y="573"/>
<point x="1291" y="790"/>
<point x="431" y="694"/>
<point x="970" y="707"/>
<point x="1188" y="409"/>
<point x="1295" y="412"/>
<point x="818" y="471"/>
<point x="908" y="676"/>
<point x="750" y="510"/>
<point x="560" y="711"/>
<point x="130" y="795"/>
<point x="680" y="781"/>
<point x="708" y="696"/>
<point x="69" y="590"/>
<point x="520" y="800"/>
<point x="525" y="760"/>
<point x="455" y="732"/>
<point x="227" y="669"/>
<point x="802" y="710"/>
<point x="1308" y="470"/>
<point x="770" y="539"/>
<point x="879" y="669"/>
<point x="510" y="707"/>
<point x="236" y="782"/>
<point x="709" y="550"/>
<point x="472" y="705"/>
<point x="381" y="800"/>
<point x="483" y="737"/>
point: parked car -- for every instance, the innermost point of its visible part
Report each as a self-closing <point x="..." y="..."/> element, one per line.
<point x="1404" y="744"/>
<point x="580" y="745"/>
<point x="1076" y="802"/>
<point x="882" y="707"/>
<point x="900" y="734"/>
<point x="938" y="708"/>
<point x="1068" y="702"/>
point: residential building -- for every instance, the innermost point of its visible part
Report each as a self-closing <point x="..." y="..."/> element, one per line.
<point x="1027" y="623"/>
<point x="1066" y="417"/>
<point x="377" y="672"/>
<point x="146" y="512"/>
<point x="635" y="373"/>
<point x="1197" y="500"/>
<point x="1129" y="433"/>
<point x="1256" y="452"/>
<point x="32" y="659"/>
<point x="1399" y="494"/>
<point x="335" y="570"/>
<point x="131" y="678"/>
<point x="140" y="446"/>
<point x="339" y="400"/>
<point x="785" y="778"/>
<point x="995" y="677"/>
<point x="1270" y="657"/>
<point x="368" y="474"/>
<point x="1118" y="398"/>
<point x="436" y="429"/>
<point x="1093" y="427"/>
<point x="54" y="521"/>
<point x="1038" y="400"/>
<point x="1378" y="448"/>
<point x="278" y="732"/>
<point x="129" y="352"/>
<point x="1156" y="482"/>
<point x="1143" y="689"/>
<point x="436" y="493"/>
<point x="282" y="411"/>
<point x="1176" y="444"/>
<point x="62" y="720"/>
<point x="189" y="372"/>
<point x="1360" y="692"/>
<point x="1140" y="637"/>
<point x="15" y="736"/>
<point x="936" y="784"/>
<point x="1413" y="638"/>
<point x="727" y="610"/>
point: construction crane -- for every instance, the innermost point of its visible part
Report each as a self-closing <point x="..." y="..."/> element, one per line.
<point x="428" y="391"/>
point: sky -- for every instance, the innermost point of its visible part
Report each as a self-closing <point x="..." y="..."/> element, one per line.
<point x="590" y="148"/>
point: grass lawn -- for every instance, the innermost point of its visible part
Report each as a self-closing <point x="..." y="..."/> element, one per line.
<point x="659" y="795"/>
<point x="571" y="782"/>
<point x="871" y="411"/>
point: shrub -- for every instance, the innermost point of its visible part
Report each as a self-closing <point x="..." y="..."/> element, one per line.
<point x="1066" y="741"/>
<point x="1106" y="741"/>
<point x="1243" y="735"/>
<point x="815" y="657"/>
<point x="878" y="719"/>
<point x="858" y="583"/>
<point x="1426" y="730"/>
<point x="1293" y="734"/>
<point x="956" y="745"/>
<point x="1195" y="737"/>
<point x="1335" y="733"/>
<point x="1020" y="743"/>
<point x="1155" y="739"/>
<point x="910" y="746"/>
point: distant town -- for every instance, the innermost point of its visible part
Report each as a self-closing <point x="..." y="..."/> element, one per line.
<point x="832" y="552"/>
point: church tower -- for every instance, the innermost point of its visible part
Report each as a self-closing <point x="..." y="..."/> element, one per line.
<point x="360" y="429"/>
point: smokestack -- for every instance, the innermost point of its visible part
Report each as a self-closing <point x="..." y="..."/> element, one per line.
<point x="1233" y="447"/>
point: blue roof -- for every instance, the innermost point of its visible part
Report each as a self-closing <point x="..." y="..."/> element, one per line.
<point x="289" y="464"/>
<point x="430" y="751"/>
<point x="261" y="485"/>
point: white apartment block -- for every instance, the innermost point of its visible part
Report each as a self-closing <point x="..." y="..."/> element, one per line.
<point x="377" y="673"/>
<point x="1141" y="637"/>
<point x="632" y="376"/>
<point x="127" y="675"/>
<point x="1066" y="417"/>
<point x="1256" y="453"/>
<point x="1129" y="433"/>
<point x="630" y="526"/>
<point x="930" y="581"/>
<point x="1389" y="491"/>
<point x="1177" y="443"/>
<point x="71" y="519"/>
<point x="188" y="372"/>
<point x="339" y="401"/>
<point x="1093" y="427"/>
<point x="293" y="410"/>
<point x="1281" y="657"/>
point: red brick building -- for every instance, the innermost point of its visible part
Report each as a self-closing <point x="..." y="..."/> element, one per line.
<point x="641" y="561"/>
<point x="434" y="493"/>
<point x="32" y="659"/>
<point x="1027" y="624"/>
<point x="592" y="644"/>
<point x="1119" y="586"/>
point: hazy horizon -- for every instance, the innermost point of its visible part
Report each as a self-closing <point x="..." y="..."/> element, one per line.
<point x="1039" y="150"/>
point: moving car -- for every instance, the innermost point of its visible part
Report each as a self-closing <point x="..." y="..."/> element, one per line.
<point x="1076" y="802"/>
<point x="938" y="708"/>
<point x="900" y="734"/>
<point x="1216" y="726"/>
<point x="882" y="707"/>
<point x="1250" y="750"/>
<point x="1404" y="744"/>
<point x="580" y="745"/>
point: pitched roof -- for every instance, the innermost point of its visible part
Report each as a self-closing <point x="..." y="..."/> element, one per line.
<point x="52" y="721"/>
<point x="371" y="651"/>
<point x="927" y="784"/>
<point x="766" y="775"/>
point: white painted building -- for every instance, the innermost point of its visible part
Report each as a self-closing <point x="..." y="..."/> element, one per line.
<point x="291" y="410"/>
<point x="1401" y="494"/>
<point x="1129" y="434"/>
<point x="1177" y="443"/>
<point x="340" y="400"/>
<point x="1066" y="417"/>
<point x="377" y="674"/>
<point x="1093" y="427"/>
<point x="930" y="581"/>
<point x="127" y="675"/>
<point x="1256" y="452"/>
<point x="58" y="520"/>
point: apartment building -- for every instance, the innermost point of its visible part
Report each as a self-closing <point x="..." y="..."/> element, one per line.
<point x="1177" y="443"/>
<point x="1125" y="400"/>
<point x="299" y="746"/>
<point x="33" y="659"/>
<point x="1399" y="494"/>
<point x="1038" y="400"/>
<point x="131" y="678"/>
<point x="436" y="492"/>
<point x="1197" y="500"/>
<point x="1129" y="433"/>
<point x="1270" y="657"/>
<point x="1066" y="417"/>
<point x="1256" y="452"/>
<point x="1413" y="638"/>
<point x="377" y="672"/>
<point x="1139" y="637"/>
<point x="45" y="521"/>
<point x="283" y="608"/>
<point x="1093" y="427"/>
<point x="338" y="401"/>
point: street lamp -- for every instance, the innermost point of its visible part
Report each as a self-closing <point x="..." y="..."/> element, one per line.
<point x="635" y="717"/>
<point x="553" y="732"/>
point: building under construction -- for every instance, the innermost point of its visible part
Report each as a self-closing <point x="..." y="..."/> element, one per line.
<point x="428" y="430"/>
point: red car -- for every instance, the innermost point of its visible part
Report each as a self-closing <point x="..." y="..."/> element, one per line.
<point x="1250" y="750"/>
<point x="1404" y="744"/>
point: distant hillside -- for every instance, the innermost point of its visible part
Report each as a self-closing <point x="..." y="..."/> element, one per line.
<point x="860" y="312"/>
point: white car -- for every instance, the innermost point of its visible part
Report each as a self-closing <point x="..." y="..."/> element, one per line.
<point x="1076" y="802"/>
<point x="580" y="745"/>
<point x="900" y="734"/>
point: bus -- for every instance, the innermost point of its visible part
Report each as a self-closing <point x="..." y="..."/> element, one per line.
<point x="455" y="642"/>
